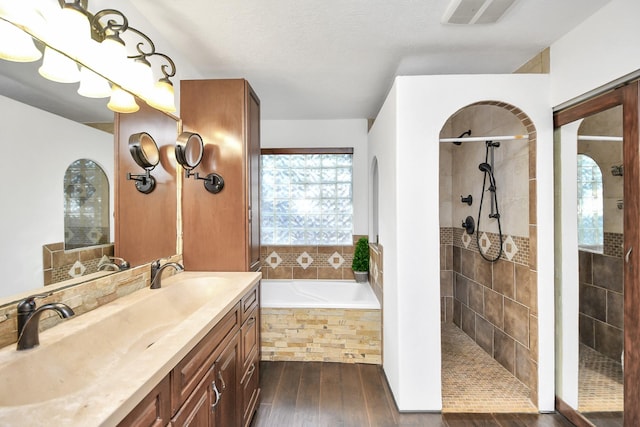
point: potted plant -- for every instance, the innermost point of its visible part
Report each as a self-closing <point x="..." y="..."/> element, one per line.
<point x="360" y="264"/>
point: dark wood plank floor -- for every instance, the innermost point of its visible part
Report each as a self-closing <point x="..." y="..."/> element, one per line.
<point x="309" y="394"/>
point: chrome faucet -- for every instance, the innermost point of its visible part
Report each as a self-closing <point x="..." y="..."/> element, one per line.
<point x="156" y="272"/>
<point x="29" y="319"/>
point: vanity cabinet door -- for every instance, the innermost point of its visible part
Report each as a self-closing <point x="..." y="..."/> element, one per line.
<point x="187" y="375"/>
<point x="154" y="410"/>
<point x="250" y="349"/>
<point x="225" y="407"/>
<point x="196" y="411"/>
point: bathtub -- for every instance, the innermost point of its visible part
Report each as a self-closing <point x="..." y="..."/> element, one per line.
<point x="313" y="320"/>
<point x="318" y="294"/>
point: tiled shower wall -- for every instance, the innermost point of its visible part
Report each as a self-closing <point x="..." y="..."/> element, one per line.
<point x="602" y="303"/>
<point x="494" y="303"/>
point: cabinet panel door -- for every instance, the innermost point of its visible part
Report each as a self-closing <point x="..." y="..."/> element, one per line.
<point x="227" y="411"/>
<point x="154" y="410"/>
<point x="196" y="412"/>
<point x="250" y="337"/>
<point x="253" y="178"/>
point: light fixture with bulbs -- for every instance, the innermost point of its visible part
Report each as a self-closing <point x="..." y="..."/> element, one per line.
<point x="88" y="48"/>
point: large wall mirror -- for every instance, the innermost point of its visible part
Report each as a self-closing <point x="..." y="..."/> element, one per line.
<point x="597" y="176"/>
<point x="33" y="186"/>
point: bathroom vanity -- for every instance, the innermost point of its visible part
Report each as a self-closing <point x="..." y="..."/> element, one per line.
<point x="203" y="389"/>
<point x="185" y="354"/>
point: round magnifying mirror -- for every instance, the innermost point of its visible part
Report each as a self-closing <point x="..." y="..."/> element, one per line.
<point x="144" y="150"/>
<point x="189" y="150"/>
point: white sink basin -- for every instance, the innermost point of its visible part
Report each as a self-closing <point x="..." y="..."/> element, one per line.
<point x="93" y="347"/>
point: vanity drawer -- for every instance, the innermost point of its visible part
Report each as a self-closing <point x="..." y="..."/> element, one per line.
<point x="249" y="301"/>
<point x="250" y="391"/>
<point x="250" y="334"/>
<point x="190" y="371"/>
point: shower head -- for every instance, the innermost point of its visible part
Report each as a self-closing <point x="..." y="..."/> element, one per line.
<point x="485" y="167"/>
<point x="466" y="133"/>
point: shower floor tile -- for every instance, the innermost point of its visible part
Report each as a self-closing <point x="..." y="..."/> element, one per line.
<point x="600" y="382"/>
<point x="472" y="381"/>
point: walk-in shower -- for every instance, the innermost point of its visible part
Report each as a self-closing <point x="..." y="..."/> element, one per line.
<point x="487" y="286"/>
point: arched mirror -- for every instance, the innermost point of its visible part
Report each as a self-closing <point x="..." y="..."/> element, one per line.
<point x="86" y="205"/>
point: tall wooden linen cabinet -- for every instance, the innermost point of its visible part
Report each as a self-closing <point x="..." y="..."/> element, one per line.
<point x="222" y="231"/>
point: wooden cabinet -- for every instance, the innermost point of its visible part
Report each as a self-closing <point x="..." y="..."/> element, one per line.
<point x="221" y="232"/>
<point x="250" y="355"/>
<point x="225" y="407"/>
<point x="154" y="410"/>
<point x="216" y="383"/>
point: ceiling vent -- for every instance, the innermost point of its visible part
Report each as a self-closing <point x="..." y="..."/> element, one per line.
<point x="468" y="12"/>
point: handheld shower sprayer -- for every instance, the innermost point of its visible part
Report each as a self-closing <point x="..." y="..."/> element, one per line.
<point x="487" y="169"/>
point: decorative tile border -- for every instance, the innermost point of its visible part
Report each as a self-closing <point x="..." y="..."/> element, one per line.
<point x="514" y="248"/>
<point x="308" y="262"/>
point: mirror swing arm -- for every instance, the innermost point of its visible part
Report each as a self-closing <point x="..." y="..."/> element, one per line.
<point x="189" y="151"/>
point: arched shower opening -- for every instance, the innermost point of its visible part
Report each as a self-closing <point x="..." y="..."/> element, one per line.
<point x="488" y="270"/>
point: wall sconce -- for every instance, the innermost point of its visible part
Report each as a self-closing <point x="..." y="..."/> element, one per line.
<point x="89" y="48"/>
<point x="189" y="151"/>
<point x="144" y="151"/>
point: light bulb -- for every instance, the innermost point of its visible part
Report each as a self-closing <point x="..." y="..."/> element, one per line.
<point x="122" y="101"/>
<point x="163" y="97"/>
<point x="16" y="45"/>
<point x="58" y="68"/>
<point x="92" y="85"/>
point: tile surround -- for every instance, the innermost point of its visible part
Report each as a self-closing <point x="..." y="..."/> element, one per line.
<point x="324" y="335"/>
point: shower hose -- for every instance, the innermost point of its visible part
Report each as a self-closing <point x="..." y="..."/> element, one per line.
<point x="492" y="190"/>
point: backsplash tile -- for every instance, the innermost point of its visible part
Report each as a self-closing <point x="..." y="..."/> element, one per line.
<point x="88" y="294"/>
<point x="60" y="265"/>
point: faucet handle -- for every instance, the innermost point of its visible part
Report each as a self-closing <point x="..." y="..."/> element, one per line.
<point x="28" y="304"/>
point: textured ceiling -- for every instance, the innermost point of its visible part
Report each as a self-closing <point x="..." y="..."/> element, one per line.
<point x="327" y="59"/>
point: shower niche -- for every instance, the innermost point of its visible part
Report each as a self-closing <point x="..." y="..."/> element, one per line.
<point x="488" y="278"/>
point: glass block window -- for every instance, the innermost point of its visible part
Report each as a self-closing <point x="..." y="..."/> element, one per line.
<point x="590" y="204"/>
<point x="306" y="199"/>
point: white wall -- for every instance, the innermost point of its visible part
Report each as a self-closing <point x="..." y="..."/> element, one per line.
<point x="327" y="133"/>
<point x="37" y="148"/>
<point x="383" y="141"/>
<point x="407" y="129"/>
<point x="601" y="49"/>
